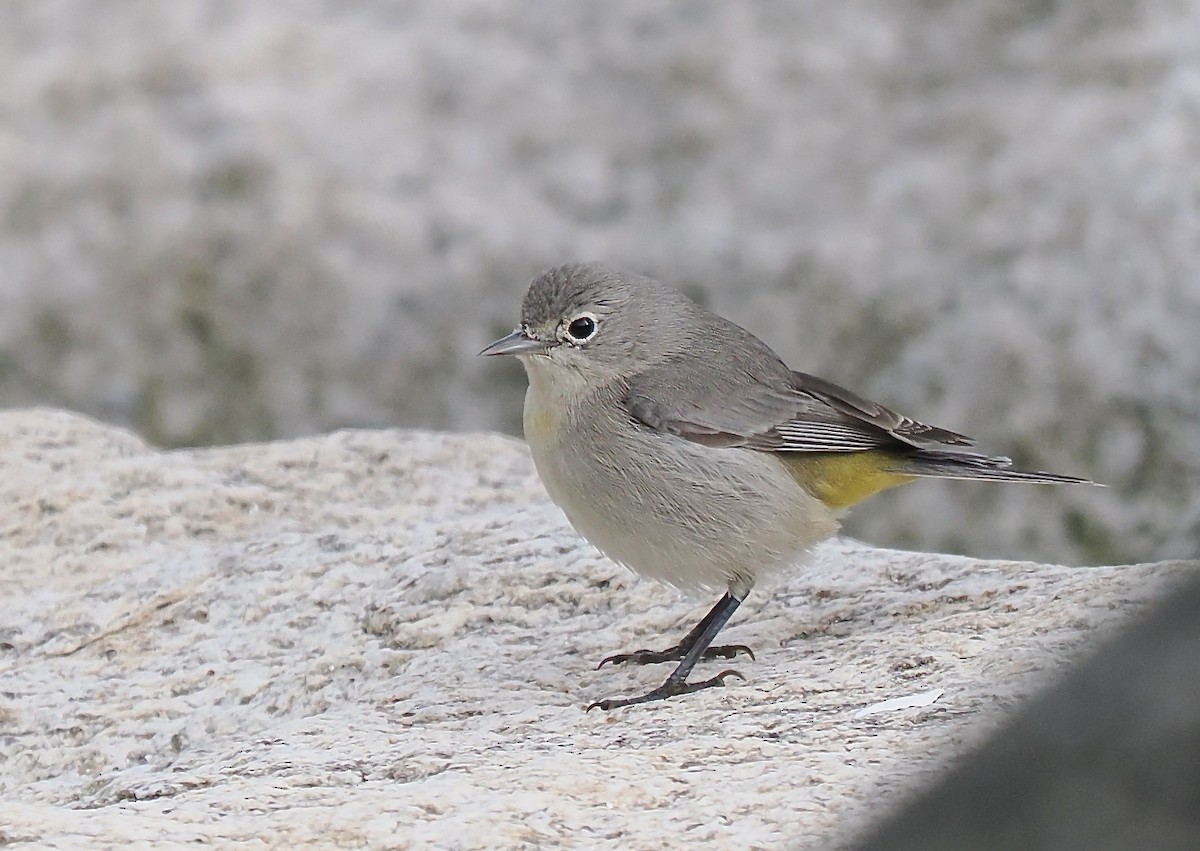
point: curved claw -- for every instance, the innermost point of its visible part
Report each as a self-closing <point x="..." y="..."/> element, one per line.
<point x="719" y="679"/>
<point x="622" y="658"/>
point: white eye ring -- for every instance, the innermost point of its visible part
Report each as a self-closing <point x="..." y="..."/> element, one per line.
<point x="581" y="329"/>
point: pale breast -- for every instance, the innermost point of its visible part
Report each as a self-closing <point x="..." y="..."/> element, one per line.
<point x="688" y="515"/>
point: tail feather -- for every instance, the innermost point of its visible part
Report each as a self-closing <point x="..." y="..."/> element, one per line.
<point x="970" y="466"/>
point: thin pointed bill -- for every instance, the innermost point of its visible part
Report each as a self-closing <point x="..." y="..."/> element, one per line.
<point x="516" y="343"/>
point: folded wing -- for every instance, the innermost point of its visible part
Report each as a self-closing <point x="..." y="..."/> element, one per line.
<point x="772" y="409"/>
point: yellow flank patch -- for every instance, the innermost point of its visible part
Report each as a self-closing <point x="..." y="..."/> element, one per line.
<point x="840" y="479"/>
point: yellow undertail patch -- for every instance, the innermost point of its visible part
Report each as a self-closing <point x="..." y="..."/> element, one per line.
<point x="840" y="479"/>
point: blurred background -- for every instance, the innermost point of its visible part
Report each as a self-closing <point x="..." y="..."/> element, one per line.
<point x="225" y="222"/>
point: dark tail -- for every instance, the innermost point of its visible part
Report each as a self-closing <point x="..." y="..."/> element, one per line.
<point x="933" y="464"/>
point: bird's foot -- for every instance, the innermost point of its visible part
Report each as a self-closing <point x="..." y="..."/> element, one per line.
<point x="670" y="688"/>
<point x="674" y="654"/>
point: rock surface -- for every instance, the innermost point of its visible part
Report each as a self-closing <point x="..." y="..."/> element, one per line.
<point x="388" y="639"/>
<point x="1106" y="759"/>
<point x="229" y="222"/>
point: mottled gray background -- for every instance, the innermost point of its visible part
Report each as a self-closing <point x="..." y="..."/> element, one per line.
<point x="225" y="222"/>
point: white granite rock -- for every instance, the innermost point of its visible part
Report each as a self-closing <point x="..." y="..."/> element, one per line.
<point x="388" y="640"/>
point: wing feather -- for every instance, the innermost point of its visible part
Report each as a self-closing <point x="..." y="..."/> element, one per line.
<point x="771" y="409"/>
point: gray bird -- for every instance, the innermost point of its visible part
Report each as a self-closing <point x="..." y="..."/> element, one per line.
<point x="680" y="445"/>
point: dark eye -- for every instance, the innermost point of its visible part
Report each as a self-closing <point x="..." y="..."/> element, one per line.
<point x="582" y="328"/>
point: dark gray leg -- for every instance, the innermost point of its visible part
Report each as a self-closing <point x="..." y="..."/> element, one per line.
<point x="700" y="638"/>
<point x="680" y="650"/>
